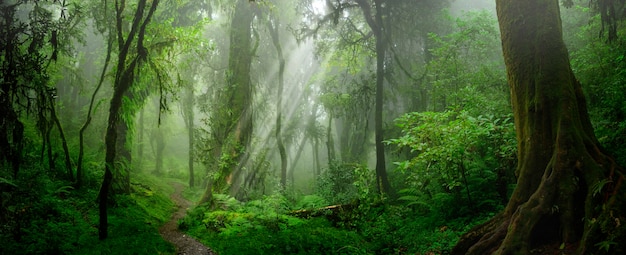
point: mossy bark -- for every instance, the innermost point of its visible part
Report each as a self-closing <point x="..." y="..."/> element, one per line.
<point x="560" y="163"/>
<point x="233" y="125"/>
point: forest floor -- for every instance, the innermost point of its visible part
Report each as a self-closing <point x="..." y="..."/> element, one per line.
<point x="184" y="244"/>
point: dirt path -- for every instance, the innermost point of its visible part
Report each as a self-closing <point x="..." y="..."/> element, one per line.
<point x="184" y="244"/>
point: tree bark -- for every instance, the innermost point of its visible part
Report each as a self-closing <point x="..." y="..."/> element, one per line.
<point x="123" y="157"/>
<point x="330" y="144"/>
<point x="557" y="200"/>
<point x="124" y="78"/>
<point x="188" y="115"/>
<point x="233" y="131"/>
<point x="273" y="28"/>
<point x="375" y="23"/>
<point x="66" y="150"/>
<point x="81" y="133"/>
<point x="159" y="138"/>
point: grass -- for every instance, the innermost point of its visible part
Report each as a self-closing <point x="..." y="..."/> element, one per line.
<point x="44" y="216"/>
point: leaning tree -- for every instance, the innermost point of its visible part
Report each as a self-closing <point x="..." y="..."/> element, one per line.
<point x="569" y="194"/>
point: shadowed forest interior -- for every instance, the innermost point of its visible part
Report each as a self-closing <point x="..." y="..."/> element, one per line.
<point x="312" y="127"/>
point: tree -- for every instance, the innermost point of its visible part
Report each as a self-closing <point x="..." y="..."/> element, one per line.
<point x="375" y="22"/>
<point x="232" y="126"/>
<point x="187" y="111"/>
<point x="31" y="39"/>
<point x="273" y="26"/>
<point x="127" y="66"/>
<point x="569" y="190"/>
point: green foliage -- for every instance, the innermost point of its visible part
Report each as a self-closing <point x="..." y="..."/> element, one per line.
<point x="262" y="227"/>
<point x="457" y="162"/>
<point x="601" y="69"/>
<point x="466" y="71"/>
<point x="47" y="216"/>
<point x="344" y="183"/>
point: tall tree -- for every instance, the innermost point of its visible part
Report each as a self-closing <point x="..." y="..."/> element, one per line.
<point x="232" y="126"/>
<point x="375" y="22"/>
<point x="273" y="27"/>
<point x="569" y="190"/>
<point x="127" y="66"/>
<point x="30" y="40"/>
<point x="187" y="110"/>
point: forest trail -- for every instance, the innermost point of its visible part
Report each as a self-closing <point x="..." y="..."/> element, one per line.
<point x="185" y="245"/>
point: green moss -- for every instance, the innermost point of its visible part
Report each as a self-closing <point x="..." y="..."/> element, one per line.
<point x="53" y="218"/>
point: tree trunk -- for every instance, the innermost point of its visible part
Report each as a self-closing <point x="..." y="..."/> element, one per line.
<point x="124" y="78"/>
<point x="273" y="28"/>
<point x="234" y="128"/>
<point x="123" y="158"/>
<point x="376" y="24"/>
<point x="330" y="144"/>
<point x="560" y="198"/>
<point x="66" y="151"/>
<point x="141" y="132"/>
<point x="189" y="121"/>
<point x="81" y="133"/>
<point x="159" y="138"/>
<point x="294" y="161"/>
<point x="316" y="157"/>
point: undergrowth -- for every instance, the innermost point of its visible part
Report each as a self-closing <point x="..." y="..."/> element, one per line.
<point x="41" y="215"/>
<point x="267" y="226"/>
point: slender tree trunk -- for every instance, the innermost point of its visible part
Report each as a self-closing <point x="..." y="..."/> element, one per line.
<point x="51" y="157"/>
<point x="375" y="22"/>
<point x="295" y="159"/>
<point x="124" y="78"/>
<point x="316" y="157"/>
<point x="141" y="132"/>
<point x="273" y="28"/>
<point x="66" y="151"/>
<point x="330" y="143"/>
<point x="81" y="133"/>
<point x="160" y="146"/>
<point x="189" y="121"/>
<point x="568" y="189"/>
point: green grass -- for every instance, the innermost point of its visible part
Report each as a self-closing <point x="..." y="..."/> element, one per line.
<point x="53" y="218"/>
<point x="133" y="227"/>
<point x="247" y="233"/>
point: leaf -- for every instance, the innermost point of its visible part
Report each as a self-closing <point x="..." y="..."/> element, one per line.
<point x="5" y="181"/>
<point x="597" y="188"/>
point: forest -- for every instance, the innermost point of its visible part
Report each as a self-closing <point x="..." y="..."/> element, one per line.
<point x="312" y="127"/>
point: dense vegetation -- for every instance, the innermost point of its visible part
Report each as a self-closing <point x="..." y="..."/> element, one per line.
<point x="299" y="127"/>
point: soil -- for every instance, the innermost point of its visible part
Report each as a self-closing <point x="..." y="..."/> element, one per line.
<point x="184" y="244"/>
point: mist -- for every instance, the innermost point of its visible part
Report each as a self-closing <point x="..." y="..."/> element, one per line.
<point x="281" y="127"/>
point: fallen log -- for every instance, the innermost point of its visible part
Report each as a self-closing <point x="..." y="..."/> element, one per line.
<point x="332" y="212"/>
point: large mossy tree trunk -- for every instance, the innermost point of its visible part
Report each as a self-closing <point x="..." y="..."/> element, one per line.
<point x="569" y="191"/>
<point x="233" y="127"/>
<point x="123" y="157"/>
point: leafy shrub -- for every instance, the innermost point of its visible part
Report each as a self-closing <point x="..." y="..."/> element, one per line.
<point x="344" y="183"/>
<point x="457" y="163"/>
<point x="230" y="232"/>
